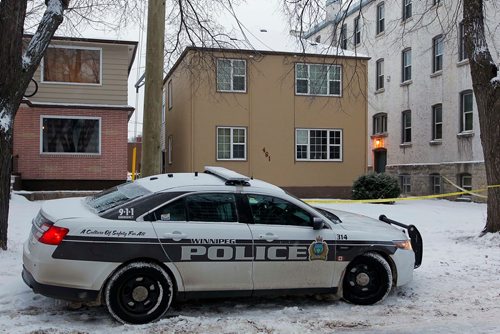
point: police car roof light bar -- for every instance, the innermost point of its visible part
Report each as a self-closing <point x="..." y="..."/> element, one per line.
<point x="232" y="178"/>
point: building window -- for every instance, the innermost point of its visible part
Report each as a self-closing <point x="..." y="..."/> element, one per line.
<point x="379" y="123"/>
<point x="379" y="83"/>
<point x="73" y="135"/>
<point x="318" y="79"/>
<point x="318" y="39"/>
<point x="380" y="18"/>
<point x="407" y="10"/>
<point x="231" y="75"/>
<point x="170" y="148"/>
<point x="406" y="129"/>
<point x="318" y="144"/>
<point x="405" y="183"/>
<point x="436" y="2"/>
<point x="466" y="181"/>
<point x="437" y="53"/>
<point x="436" y="183"/>
<point x="72" y="65"/>
<point x="343" y="37"/>
<point x="462" y="53"/>
<point x="169" y="95"/>
<point x="163" y="106"/>
<point x="437" y="122"/>
<point x="357" y="31"/>
<point x="406" y="62"/>
<point x="231" y="143"/>
<point x="466" y="106"/>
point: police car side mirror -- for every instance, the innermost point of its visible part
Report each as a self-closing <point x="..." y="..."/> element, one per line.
<point x="318" y="223"/>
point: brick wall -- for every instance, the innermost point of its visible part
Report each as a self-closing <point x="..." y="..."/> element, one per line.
<point x="109" y="165"/>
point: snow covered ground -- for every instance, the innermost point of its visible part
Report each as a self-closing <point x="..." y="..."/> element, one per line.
<point x="456" y="290"/>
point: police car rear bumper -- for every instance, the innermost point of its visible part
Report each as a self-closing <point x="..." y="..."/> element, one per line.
<point x="58" y="292"/>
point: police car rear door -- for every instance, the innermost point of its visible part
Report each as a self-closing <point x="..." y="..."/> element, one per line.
<point x="288" y="252"/>
<point x="201" y="235"/>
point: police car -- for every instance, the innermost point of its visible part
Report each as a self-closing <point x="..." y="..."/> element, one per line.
<point x="139" y="246"/>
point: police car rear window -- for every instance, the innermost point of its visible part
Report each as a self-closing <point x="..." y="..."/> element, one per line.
<point x="115" y="196"/>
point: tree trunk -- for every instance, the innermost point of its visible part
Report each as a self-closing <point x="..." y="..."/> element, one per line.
<point x="487" y="94"/>
<point x="16" y="71"/>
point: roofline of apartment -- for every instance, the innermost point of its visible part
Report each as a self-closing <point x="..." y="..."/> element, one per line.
<point x="97" y="41"/>
<point x="247" y="51"/>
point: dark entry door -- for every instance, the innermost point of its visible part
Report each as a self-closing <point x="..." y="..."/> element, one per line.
<point x="380" y="158"/>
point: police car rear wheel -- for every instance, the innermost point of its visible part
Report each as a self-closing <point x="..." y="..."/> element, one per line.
<point x="368" y="280"/>
<point x="139" y="293"/>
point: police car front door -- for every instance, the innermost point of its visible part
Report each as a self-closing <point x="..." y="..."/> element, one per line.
<point x="288" y="252"/>
<point x="209" y="247"/>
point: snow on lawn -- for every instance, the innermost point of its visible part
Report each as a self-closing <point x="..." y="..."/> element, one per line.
<point x="456" y="290"/>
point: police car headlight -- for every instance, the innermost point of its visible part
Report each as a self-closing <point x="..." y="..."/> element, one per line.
<point x="403" y="244"/>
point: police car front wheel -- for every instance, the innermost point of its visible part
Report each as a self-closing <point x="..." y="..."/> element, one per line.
<point x="367" y="280"/>
<point x="139" y="293"/>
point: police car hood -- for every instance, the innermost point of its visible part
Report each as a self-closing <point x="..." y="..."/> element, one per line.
<point x="66" y="208"/>
<point x="355" y="222"/>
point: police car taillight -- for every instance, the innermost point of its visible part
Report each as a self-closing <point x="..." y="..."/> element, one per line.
<point x="52" y="235"/>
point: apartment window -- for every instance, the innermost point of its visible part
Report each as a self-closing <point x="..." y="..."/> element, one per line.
<point x="163" y="106"/>
<point x="343" y="37"/>
<point x="379" y="123"/>
<point x="357" y="31"/>
<point x="436" y="183"/>
<point x="74" y="135"/>
<point x="405" y="183"/>
<point x="462" y="53"/>
<point x="72" y="65"/>
<point x="231" y="75"/>
<point x="318" y="144"/>
<point x="406" y="62"/>
<point x="437" y="122"/>
<point x="318" y="79"/>
<point x="407" y="10"/>
<point x="380" y="18"/>
<point x="170" y="148"/>
<point x="169" y="95"/>
<point x="231" y="143"/>
<point x="437" y="53"/>
<point x="379" y="83"/>
<point x="466" y="181"/>
<point x="466" y="111"/>
<point x="406" y="128"/>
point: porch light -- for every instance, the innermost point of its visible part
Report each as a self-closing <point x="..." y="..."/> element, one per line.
<point x="378" y="143"/>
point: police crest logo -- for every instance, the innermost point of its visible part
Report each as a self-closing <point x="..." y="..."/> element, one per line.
<point x="318" y="250"/>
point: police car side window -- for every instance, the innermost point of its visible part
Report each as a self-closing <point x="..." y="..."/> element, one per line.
<point x="276" y="211"/>
<point x="174" y="211"/>
<point x="211" y="208"/>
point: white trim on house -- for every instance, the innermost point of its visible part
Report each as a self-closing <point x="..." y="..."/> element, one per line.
<point x="341" y="151"/>
<point x="328" y="80"/>
<point x="232" y="143"/>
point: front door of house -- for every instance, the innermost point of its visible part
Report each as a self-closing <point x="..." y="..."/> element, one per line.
<point x="380" y="159"/>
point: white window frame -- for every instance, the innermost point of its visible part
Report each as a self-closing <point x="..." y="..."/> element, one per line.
<point x="42" y="117"/>
<point x="463" y="112"/>
<point x="232" y="143"/>
<point x="42" y="66"/>
<point x="463" y="177"/>
<point x="437" y="55"/>
<point x="462" y="53"/>
<point x="340" y="159"/>
<point x="435" y="122"/>
<point x="383" y="123"/>
<point x="379" y="74"/>
<point x="436" y="183"/>
<point x="309" y="80"/>
<point x="407" y="4"/>
<point x="405" y="64"/>
<point x="357" y="31"/>
<point x="405" y="181"/>
<point x="404" y="139"/>
<point x="170" y="98"/>
<point x="232" y="90"/>
<point x="380" y="18"/>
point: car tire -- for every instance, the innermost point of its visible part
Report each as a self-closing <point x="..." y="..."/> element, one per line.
<point x="139" y="293"/>
<point x="367" y="279"/>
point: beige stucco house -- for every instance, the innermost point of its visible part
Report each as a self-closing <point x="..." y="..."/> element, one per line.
<point x="296" y="119"/>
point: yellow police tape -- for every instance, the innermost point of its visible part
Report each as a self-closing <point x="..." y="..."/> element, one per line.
<point x="386" y="200"/>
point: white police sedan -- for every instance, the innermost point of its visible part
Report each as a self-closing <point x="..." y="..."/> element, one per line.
<point x="140" y="246"/>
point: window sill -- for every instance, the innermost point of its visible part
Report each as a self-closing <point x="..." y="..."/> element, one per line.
<point x="463" y="62"/>
<point x="406" y="20"/>
<point x="380" y="34"/>
<point x="436" y="142"/>
<point x="70" y="155"/>
<point x="406" y="83"/>
<point x="436" y="74"/>
<point x="380" y="91"/>
<point x="465" y="134"/>
<point x="378" y="135"/>
<point x="232" y="91"/>
<point x="405" y="145"/>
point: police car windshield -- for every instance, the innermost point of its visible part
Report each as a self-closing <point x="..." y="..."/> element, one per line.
<point x="115" y="196"/>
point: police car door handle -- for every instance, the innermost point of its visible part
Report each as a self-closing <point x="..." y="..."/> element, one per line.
<point x="176" y="236"/>
<point x="268" y="236"/>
